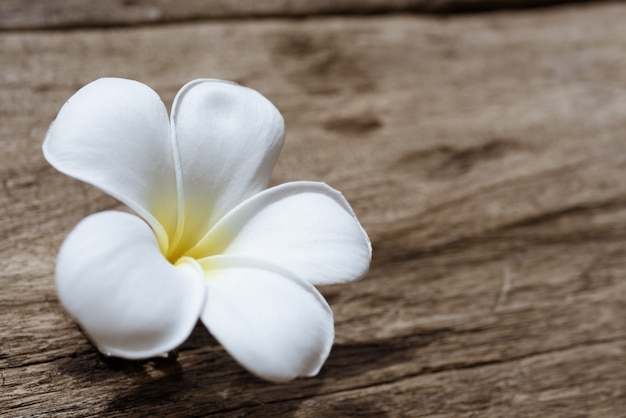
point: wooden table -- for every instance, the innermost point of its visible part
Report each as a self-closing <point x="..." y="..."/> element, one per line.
<point x="485" y="154"/>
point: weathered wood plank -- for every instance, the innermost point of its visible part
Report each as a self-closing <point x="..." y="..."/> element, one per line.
<point x="521" y="387"/>
<point x="484" y="154"/>
<point x="32" y="14"/>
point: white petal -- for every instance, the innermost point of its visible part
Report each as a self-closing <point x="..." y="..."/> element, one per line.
<point x="275" y="325"/>
<point x="307" y="228"/>
<point x="228" y="138"/>
<point x="112" y="278"/>
<point x="115" y="134"/>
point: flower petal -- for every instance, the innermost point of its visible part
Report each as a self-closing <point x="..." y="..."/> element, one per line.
<point x="305" y="227"/>
<point x="115" y="134"/>
<point x="228" y="138"/>
<point x="129" y="299"/>
<point x="275" y="325"/>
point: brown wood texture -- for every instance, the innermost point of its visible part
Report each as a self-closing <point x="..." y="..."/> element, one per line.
<point x="484" y="154"/>
<point x="30" y="14"/>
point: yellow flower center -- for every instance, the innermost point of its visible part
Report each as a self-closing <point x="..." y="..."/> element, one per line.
<point x="215" y="242"/>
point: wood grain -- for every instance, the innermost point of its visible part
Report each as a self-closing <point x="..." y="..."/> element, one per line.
<point x="33" y="14"/>
<point x="484" y="154"/>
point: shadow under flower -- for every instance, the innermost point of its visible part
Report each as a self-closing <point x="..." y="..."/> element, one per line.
<point x="200" y="378"/>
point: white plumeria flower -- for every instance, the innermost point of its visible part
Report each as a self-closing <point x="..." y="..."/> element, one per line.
<point x="213" y="243"/>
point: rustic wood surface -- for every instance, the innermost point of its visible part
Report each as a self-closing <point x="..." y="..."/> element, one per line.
<point x="31" y="14"/>
<point x="485" y="155"/>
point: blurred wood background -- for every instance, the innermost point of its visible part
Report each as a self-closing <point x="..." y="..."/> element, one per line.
<point x="485" y="154"/>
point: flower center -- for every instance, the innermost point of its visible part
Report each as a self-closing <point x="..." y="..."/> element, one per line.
<point x="213" y="243"/>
